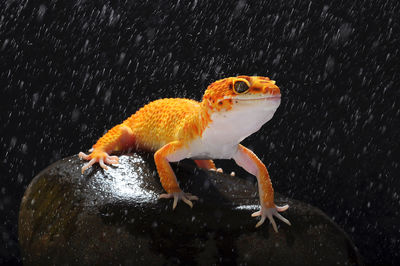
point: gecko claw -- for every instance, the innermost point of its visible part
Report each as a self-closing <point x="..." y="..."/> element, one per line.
<point x="260" y="222"/>
<point x="270" y="213"/>
<point x="185" y="197"/>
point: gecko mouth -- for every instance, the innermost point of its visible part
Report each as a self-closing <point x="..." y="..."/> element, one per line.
<point x="271" y="97"/>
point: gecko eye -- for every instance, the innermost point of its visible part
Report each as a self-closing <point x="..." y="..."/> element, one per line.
<point x="240" y="87"/>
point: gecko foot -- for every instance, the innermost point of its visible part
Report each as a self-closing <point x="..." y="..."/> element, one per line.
<point x="186" y="197"/>
<point x="269" y="213"/>
<point x="97" y="157"/>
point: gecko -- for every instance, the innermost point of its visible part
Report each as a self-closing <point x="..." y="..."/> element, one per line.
<point x="176" y="128"/>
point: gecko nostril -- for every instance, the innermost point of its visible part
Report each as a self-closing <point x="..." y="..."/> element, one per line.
<point x="271" y="89"/>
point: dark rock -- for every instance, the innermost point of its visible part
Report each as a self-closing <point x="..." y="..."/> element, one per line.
<point x="115" y="217"/>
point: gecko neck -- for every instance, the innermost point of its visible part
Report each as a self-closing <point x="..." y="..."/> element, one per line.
<point x="237" y="123"/>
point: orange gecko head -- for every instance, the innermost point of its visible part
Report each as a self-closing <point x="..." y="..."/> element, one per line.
<point x="223" y="94"/>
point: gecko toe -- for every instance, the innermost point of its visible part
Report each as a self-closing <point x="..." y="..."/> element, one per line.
<point x="88" y="165"/>
<point x="187" y="201"/>
<point x="175" y="202"/>
<point x="192" y="197"/>
<point x="115" y="158"/>
<point x="282" y="208"/>
<point x="83" y="156"/>
<point x="185" y="197"/>
<point x="108" y="160"/>
<point x="165" y="196"/>
<point x="101" y="162"/>
<point x="272" y="221"/>
<point x="283" y="219"/>
<point x="261" y="221"/>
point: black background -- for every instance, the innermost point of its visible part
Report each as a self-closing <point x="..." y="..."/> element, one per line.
<point x="69" y="70"/>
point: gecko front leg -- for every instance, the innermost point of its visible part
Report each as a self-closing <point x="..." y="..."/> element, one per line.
<point x="250" y="162"/>
<point x="171" y="152"/>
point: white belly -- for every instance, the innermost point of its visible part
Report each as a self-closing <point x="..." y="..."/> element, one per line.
<point x="211" y="148"/>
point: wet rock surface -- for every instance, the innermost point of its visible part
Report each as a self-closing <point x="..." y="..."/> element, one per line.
<point x="115" y="217"/>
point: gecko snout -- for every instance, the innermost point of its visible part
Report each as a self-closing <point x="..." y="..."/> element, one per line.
<point x="272" y="89"/>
